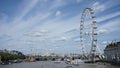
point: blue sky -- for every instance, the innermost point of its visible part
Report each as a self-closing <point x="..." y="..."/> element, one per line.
<point x="53" y="25"/>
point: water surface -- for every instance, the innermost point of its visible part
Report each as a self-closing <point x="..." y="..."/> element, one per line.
<point x="51" y="64"/>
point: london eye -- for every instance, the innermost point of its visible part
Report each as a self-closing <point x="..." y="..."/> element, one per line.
<point x="91" y="33"/>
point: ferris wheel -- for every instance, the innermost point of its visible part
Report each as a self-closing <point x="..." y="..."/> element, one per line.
<point x="92" y="33"/>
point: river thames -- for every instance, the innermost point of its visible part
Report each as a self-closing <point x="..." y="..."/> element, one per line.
<point x="51" y="64"/>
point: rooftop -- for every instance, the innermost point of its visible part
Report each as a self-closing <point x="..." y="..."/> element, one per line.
<point x="113" y="44"/>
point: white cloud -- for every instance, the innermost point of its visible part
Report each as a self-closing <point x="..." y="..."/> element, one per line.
<point x="25" y="9"/>
<point x="43" y="31"/>
<point x="77" y="40"/>
<point x="105" y="42"/>
<point x="111" y="26"/>
<point x="58" y="3"/>
<point x="3" y="18"/>
<point x="108" y="16"/>
<point x="38" y="33"/>
<point x="102" y="31"/>
<point x="25" y="25"/>
<point x="58" y="13"/>
<point x="78" y="1"/>
<point x="98" y="7"/>
<point x="62" y="38"/>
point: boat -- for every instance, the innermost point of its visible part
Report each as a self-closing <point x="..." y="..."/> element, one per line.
<point x="67" y="61"/>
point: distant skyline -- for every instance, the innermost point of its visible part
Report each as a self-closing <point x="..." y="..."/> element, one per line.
<point x="53" y="25"/>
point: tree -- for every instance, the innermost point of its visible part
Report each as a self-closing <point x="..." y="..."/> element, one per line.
<point x="5" y="56"/>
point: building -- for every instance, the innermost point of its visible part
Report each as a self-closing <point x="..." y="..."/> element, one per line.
<point x="15" y="52"/>
<point x="112" y="52"/>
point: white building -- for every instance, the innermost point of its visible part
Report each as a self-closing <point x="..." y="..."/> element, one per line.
<point x="112" y="52"/>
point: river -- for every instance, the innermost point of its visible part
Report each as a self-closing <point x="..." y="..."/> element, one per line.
<point x="51" y="64"/>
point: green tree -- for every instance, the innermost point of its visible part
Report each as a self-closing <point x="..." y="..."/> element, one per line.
<point x="7" y="56"/>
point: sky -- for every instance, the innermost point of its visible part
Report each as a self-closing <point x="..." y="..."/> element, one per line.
<point x="53" y="26"/>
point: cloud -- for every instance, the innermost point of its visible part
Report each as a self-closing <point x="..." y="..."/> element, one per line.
<point x="111" y="26"/>
<point x="77" y="40"/>
<point x="78" y="1"/>
<point x="25" y="9"/>
<point x="36" y="34"/>
<point x="102" y="31"/>
<point x="62" y="38"/>
<point x="39" y="33"/>
<point x="5" y="37"/>
<point x="105" y="42"/>
<point x="103" y="18"/>
<point x="3" y="18"/>
<point x="23" y="26"/>
<point x="98" y="7"/>
<point x="58" y="13"/>
<point x="58" y="3"/>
